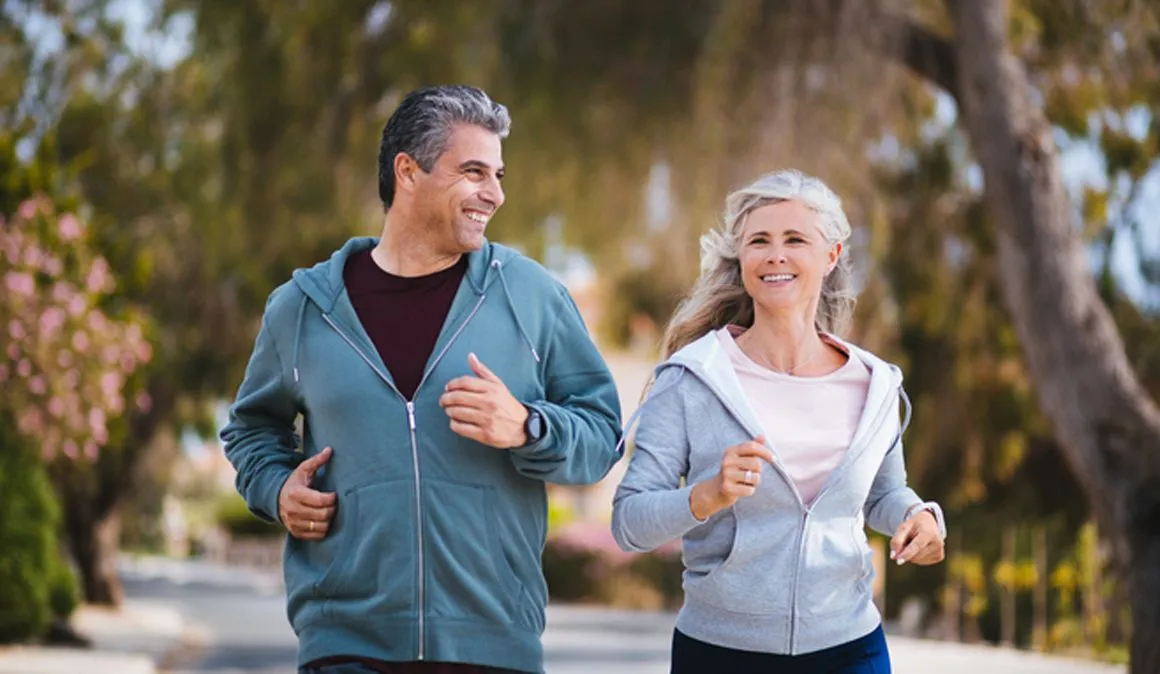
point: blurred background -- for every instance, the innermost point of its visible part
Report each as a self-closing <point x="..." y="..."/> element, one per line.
<point x="164" y="164"/>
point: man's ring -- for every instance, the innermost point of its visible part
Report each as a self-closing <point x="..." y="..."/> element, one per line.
<point x="311" y="526"/>
<point x="749" y="477"/>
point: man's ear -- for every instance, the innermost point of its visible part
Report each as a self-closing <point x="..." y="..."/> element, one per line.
<point x="407" y="171"/>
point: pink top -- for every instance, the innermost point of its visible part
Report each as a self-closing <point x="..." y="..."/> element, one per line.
<point x="808" y="421"/>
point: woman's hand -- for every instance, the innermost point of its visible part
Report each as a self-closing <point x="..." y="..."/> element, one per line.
<point x="738" y="477"/>
<point x="918" y="541"/>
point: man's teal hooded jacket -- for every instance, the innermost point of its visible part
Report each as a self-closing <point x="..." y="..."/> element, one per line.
<point x="434" y="550"/>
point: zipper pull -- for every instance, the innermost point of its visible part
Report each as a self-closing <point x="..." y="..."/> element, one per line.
<point x="411" y="414"/>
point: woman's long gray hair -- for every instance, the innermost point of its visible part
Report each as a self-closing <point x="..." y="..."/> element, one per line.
<point x="718" y="298"/>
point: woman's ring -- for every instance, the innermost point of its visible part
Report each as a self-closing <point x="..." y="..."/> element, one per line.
<point x="749" y="477"/>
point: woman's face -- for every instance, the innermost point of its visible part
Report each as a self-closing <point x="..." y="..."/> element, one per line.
<point x="785" y="257"/>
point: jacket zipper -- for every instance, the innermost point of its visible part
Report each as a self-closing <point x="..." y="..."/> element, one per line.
<point x="414" y="452"/>
<point x="741" y="420"/>
<point x="797" y="567"/>
<point x="802" y="536"/>
<point x="873" y="429"/>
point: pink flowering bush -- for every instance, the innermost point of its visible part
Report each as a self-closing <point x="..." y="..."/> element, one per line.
<point x="64" y="361"/>
<point x="582" y="563"/>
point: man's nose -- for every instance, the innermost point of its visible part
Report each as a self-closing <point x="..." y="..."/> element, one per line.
<point x="493" y="193"/>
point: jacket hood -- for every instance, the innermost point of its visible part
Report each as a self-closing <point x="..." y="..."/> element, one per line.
<point x="323" y="283"/>
<point x="706" y="359"/>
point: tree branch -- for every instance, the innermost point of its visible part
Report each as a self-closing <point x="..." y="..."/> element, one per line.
<point x="923" y="52"/>
<point x="930" y="56"/>
<point x="926" y="53"/>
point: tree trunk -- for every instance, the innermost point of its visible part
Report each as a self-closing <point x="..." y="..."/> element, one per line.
<point x="1007" y="596"/>
<point x="91" y="498"/>
<point x="94" y="548"/>
<point x="1042" y="571"/>
<point x="1107" y="426"/>
<point x="953" y="593"/>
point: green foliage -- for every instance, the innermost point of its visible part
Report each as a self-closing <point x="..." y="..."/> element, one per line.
<point x="559" y="514"/>
<point x="29" y="559"/>
<point x="233" y="515"/>
<point x="63" y="591"/>
<point x="566" y="571"/>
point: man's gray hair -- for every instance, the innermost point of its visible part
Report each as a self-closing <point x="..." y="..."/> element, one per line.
<point x="422" y="124"/>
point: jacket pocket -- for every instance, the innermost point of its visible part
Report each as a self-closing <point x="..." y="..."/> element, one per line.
<point x="862" y="545"/>
<point x="468" y="575"/>
<point x="756" y="576"/>
<point x="833" y="574"/>
<point x="372" y="565"/>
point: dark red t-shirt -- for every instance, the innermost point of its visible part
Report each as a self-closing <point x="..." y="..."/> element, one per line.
<point x="403" y="315"/>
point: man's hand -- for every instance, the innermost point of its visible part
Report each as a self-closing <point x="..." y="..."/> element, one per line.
<point x="481" y="408"/>
<point x="304" y="512"/>
<point x="918" y="541"/>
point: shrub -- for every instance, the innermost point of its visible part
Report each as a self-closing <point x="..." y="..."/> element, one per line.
<point x="582" y="563"/>
<point x="234" y="516"/>
<point x="28" y="545"/>
<point x="63" y="591"/>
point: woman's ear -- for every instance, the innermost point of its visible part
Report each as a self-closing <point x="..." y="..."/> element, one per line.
<point x="833" y="255"/>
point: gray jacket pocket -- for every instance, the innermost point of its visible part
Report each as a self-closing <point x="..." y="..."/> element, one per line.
<point x="755" y="575"/>
<point x="835" y="568"/>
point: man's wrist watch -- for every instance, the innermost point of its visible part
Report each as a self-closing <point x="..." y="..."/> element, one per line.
<point x="934" y="509"/>
<point x="534" y="425"/>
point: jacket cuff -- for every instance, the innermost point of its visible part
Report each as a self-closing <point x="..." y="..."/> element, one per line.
<point x="935" y="509"/>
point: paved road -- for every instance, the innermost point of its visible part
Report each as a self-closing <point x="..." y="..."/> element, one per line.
<point x="244" y="627"/>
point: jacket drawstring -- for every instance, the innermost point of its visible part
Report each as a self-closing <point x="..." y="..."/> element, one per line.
<point x="909" y="409"/>
<point x="498" y="266"/>
<point x="298" y="335"/>
<point x="905" y="418"/>
<point x="636" y="414"/>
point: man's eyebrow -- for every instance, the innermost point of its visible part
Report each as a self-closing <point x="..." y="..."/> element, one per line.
<point x="476" y="163"/>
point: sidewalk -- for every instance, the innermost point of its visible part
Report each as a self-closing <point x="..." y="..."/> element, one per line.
<point x="135" y="639"/>
<point x="584" y="639"/>
<point x="148" y="636"/>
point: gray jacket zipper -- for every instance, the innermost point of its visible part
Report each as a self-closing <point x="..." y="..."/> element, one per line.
<point x="414" y="453"/>
<point x="793" y="619"/>
<point x="797" y="567"/>
<point x="755" y="432"/>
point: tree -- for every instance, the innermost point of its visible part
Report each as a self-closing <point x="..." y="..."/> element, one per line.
<point x="211" y="178"/>
<point x="1105" y="422"/>
<point x="69" y="352"/>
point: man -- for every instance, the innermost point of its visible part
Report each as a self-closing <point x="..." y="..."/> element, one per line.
<point x="442" y="381"/>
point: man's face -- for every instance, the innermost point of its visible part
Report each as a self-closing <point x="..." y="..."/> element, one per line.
<point x="461" y="193"/>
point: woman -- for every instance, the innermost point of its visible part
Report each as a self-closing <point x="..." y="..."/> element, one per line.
<point x="767" y="443"/>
